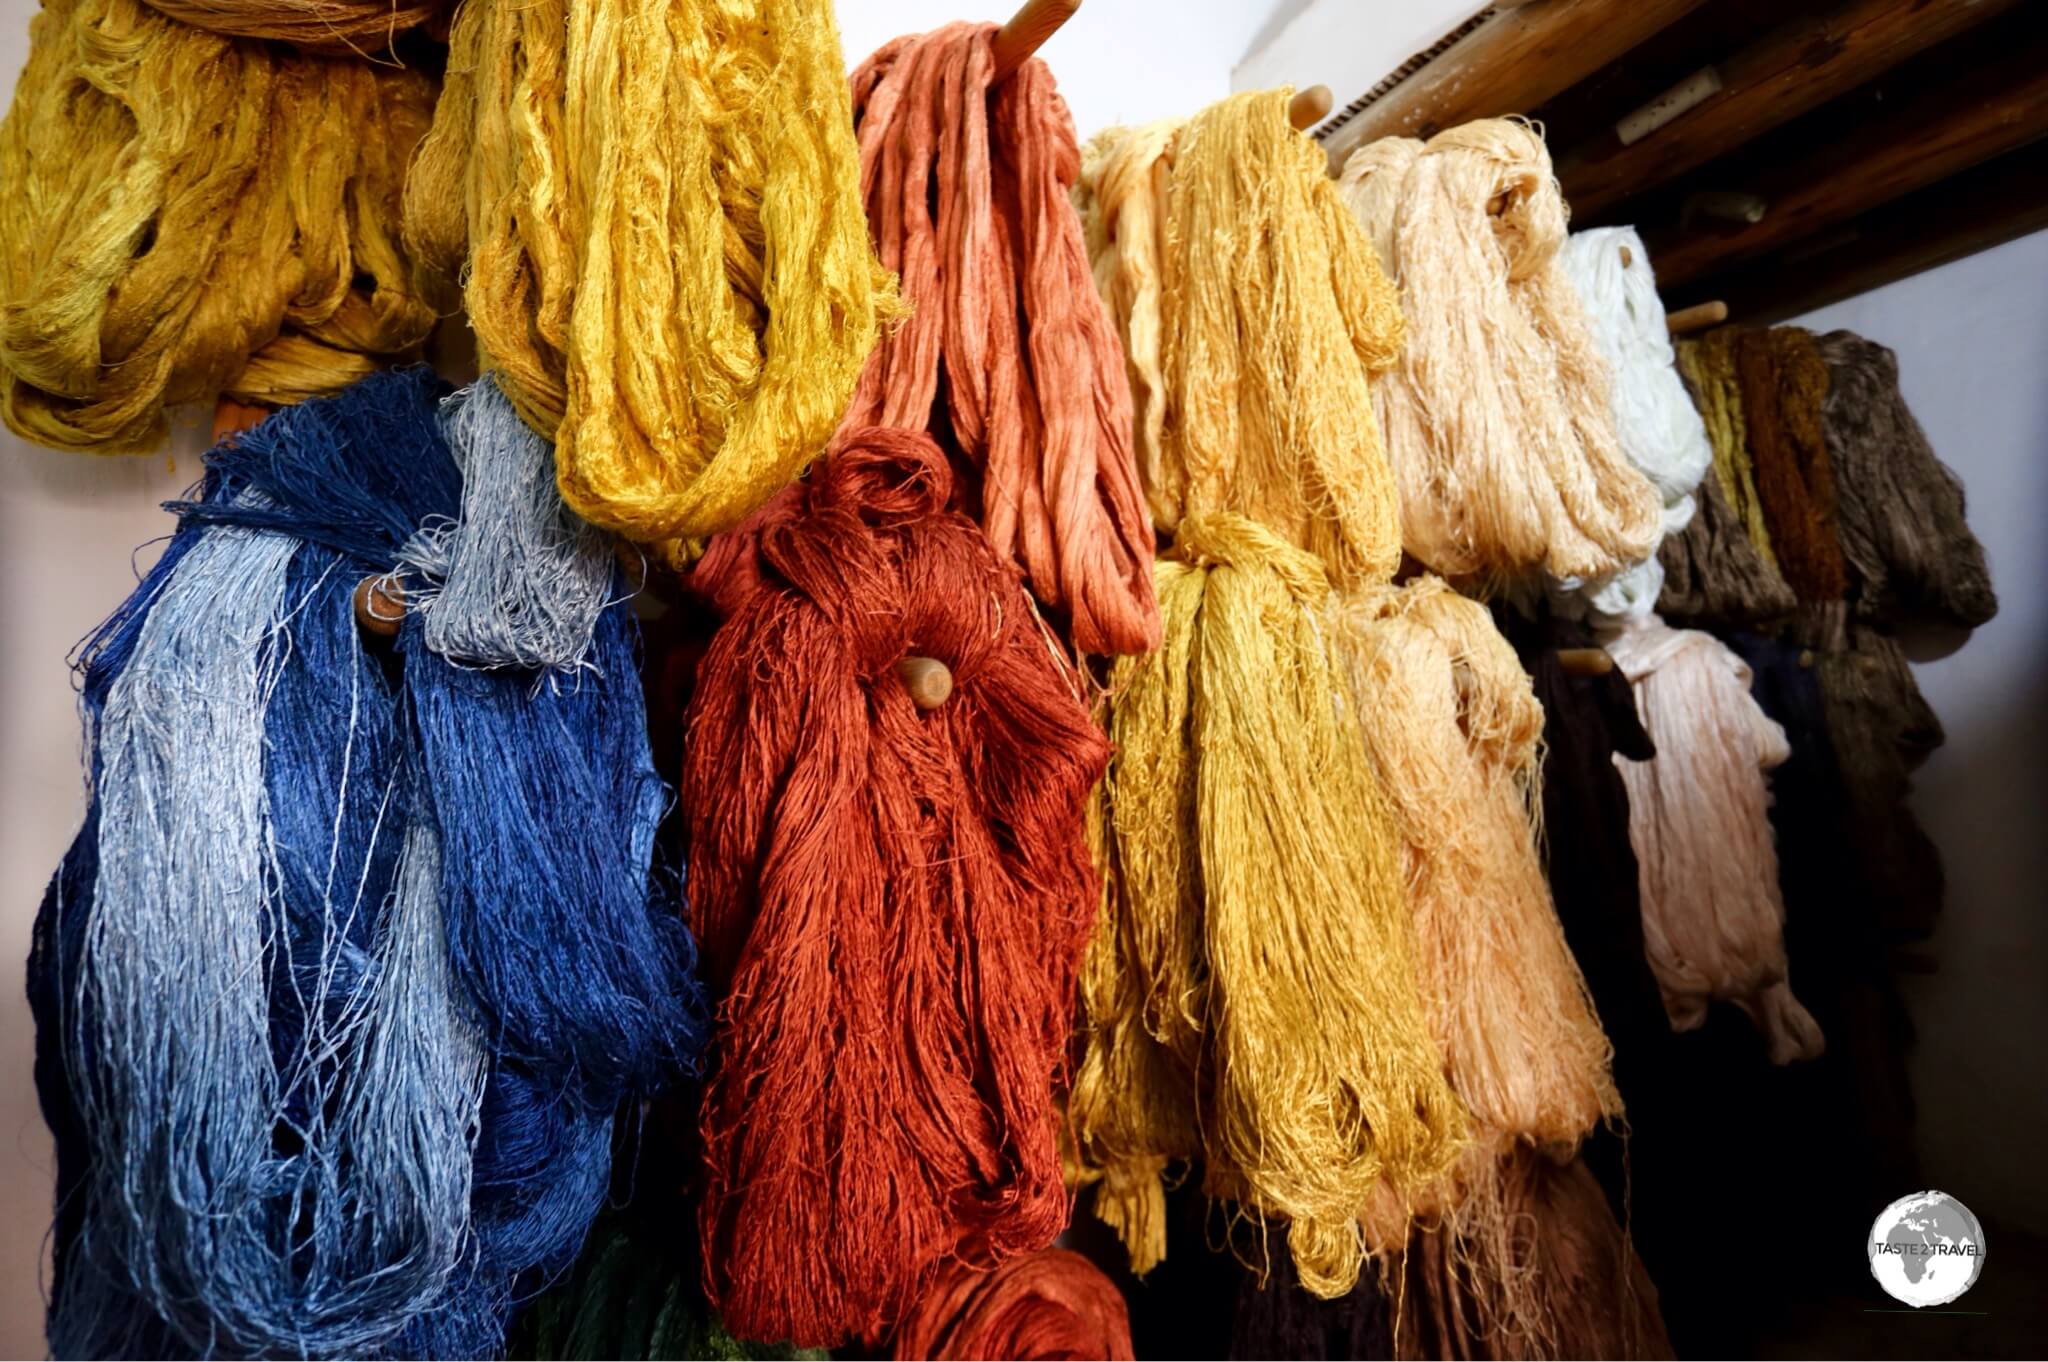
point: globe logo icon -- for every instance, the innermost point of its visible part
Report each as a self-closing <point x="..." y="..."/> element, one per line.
<point x="1926" y="1249"/>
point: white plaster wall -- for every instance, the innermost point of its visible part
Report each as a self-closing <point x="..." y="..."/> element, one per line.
<point x="1972" y="340"/>
<point x="70" y="527"/>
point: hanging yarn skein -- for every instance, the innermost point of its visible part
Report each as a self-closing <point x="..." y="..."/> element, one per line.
<point x="967" y="185"/>
<point x="1713" y="921"/>
<point x="1658" y="426"/>
<point x="357" y="28"/>
<point x="1503" y="441"/>
<point x="380" y="1091"/>
<point x="1232" y="266"/>
<point x="893" y="903"/>
<point x="1784" y="382"/>
<point x="653" y="208"/>
<point x="1053" y="1304"/>
<point x="1899" y="508"/>
<point x="190" y="216"/>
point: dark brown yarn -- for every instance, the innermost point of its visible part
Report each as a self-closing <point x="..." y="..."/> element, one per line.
<point x="1899" y="509"/>
<point x="1277" y="1317"/>
<point x="1881" y="729"/>
<point x="1713" y="575"/>
<point x="1784" y="384"/>
<point x="1580" y="1263"/>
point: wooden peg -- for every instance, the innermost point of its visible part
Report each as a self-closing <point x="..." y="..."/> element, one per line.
<point x="1585" y="661"/>
<point x="1310" y="107"/>
<point x="232" y="418"/>
<point x="1027" y="31"/>
<point x="928" y="680"/>
<point x="1628" y="257"/>
<point x="1698" y="317"/>
<point x="380" y="606"/>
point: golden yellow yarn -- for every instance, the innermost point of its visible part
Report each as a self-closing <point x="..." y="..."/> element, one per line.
<point x="1258" y="967"/>
<point x="359" y="28"/>
<point x="657" y="203"/>
<point x="1709" y="367"/>
<point x="187" y="216"/>
<point x="1253" y="316"/>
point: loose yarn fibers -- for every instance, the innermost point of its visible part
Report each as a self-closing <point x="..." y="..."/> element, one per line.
<point x="1052" y="1305"/>
<point x="653" y="207"/>
<point x="1262" y="918"/>
<point x="1231" y="264"/>
<point x="1502" y="441"/>
<point x="967" y="188"/>
<point x="1655" y="420"/>
<point x="1899" y="508"/>
<point x="359" y="28"/>
<point x="893" y="903"/>
<point x="1713" y="921"/>
<point x="189" y="216"/>
<point x="339" y="1130"/>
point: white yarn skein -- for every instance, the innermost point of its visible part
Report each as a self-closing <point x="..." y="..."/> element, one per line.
<point x="1659" y="428"/>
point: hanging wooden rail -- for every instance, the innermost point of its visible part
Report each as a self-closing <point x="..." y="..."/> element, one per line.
<point x="1027" y="31"/>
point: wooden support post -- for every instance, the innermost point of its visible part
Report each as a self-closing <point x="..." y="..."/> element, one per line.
<point x="1508" y="65"/>
<point x="1792" y="69"/>
<point x="1027" y="31"/>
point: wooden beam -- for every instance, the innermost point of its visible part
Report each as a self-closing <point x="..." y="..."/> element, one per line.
<point x="1508" y="65"/>
<point x="1938" y="130"/>
<point x="1794" y="68"/>
<point x="1997" y="202"/>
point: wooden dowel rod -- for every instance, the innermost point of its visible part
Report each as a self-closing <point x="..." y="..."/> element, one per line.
<point x="1585" y="661"/>
<point x="232" y="418"/>
<point x="380" y="606"/>
<point x="1027" y="31"/>
<point x="1698" y="317"/>
<point x="928" y="680"/>
<point x="1310" y="107"/>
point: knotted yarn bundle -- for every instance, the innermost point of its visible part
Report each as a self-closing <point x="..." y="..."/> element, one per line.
<point x="1501" y="436"/>
<point x="967" y="185"/>
<point x="1253" y="317"/>
<point x="652" y="208"/>
<point x="189" y="216"/>
<point x="1899" y="508"/>
<point x="1655" y="420"/>
<point x="356" y="28"/>
<point x="893" y="903"/>
<point x="1257" y="990"/>
<point x="1713" y="920"/>
<point x="1053" y="1304"/>
<point x="343" y="979"/>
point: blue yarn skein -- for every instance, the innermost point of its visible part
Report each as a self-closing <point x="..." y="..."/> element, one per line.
<point x="279" y="1097"/>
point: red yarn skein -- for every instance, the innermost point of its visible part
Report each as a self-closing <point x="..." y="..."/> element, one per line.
<point x="893" y="903"/>
<point x="1046" y="1307"/>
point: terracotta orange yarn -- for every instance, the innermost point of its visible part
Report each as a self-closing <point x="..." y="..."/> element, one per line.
<point x="892" y="902"/>
<point x="1046" y="1306"/>
<point x="1008" y="348"/>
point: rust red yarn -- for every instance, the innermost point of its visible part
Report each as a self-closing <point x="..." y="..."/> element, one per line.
<point x="893" y="903"/>
<point x="1038" y="1308"/>
<point x="1008" y="349"/>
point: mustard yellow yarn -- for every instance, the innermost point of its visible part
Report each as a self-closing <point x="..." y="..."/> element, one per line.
<point x="1254" y="986"/>
<point x="185" y="216"/>
<point x="657" y="204"/>
<point x="1709" y="367"/>
<point x="1254" y="316"/>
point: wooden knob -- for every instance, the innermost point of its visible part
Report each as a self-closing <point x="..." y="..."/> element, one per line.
<point x="1310" y="107"/>
<point x="928" y="680"/>
<point x="1585" y="661"/>
<point x="380" y="606"/>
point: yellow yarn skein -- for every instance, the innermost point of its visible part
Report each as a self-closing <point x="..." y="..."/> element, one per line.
<point x="1709" y="367"/>
<point x="655" y="206"/>
<point x="188" y="216"/>
<point x="1254" y="316"/>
